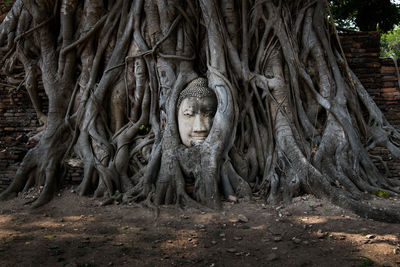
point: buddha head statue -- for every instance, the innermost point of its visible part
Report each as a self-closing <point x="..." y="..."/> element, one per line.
<point x="196" y="108"/>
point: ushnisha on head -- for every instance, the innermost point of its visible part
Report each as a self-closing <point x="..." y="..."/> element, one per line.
<point x="196" y="107"/>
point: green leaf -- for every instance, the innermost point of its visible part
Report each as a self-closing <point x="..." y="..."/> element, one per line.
<point x="381" y="193"/>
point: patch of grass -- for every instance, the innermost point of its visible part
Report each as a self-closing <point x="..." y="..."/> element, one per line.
<point x="365" y="262"/>
<point x="217" y="234"/>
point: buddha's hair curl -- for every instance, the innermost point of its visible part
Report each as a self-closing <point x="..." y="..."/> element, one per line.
<point x="196" y="88"/>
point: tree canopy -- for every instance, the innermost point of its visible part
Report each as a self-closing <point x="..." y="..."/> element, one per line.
<point x="366" y="15"/>
<point x="390" y="43"/>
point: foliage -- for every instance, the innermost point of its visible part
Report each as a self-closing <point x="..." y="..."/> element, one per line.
<point x="390" y="43"/>
<point x="5" y="6"/>
<point x="366" y="15"/>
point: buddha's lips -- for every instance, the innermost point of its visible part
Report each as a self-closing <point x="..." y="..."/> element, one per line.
<point x="199" y="137"/>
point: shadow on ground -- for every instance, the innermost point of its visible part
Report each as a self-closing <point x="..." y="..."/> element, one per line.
<point x="75" y="231"/>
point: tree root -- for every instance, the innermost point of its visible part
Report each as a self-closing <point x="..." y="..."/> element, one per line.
<point x="289" y="116"/>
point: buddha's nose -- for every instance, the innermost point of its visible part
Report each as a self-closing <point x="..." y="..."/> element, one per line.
<point x="199" y="124"/>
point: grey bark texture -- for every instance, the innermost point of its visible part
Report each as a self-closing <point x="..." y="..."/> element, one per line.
<point x="292" y="118"/>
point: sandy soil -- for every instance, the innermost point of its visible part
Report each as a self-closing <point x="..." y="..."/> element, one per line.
<point x="76" y="231"/>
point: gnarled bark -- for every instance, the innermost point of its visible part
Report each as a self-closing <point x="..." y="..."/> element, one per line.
<point x="289" y="114"/>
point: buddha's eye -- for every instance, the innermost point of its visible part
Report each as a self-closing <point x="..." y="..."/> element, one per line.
<point x="208" y="113"/>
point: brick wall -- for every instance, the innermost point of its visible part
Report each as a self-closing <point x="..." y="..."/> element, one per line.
<point x="380" y="80"/>
<point x="376" y="74"/>
<point x="362" y="52"/>
<point x="18" y="123"/>
<point x="389" y="97"/>
<point x="388" y="101"/>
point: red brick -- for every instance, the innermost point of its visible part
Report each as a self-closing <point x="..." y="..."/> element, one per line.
<point x="396" y="93"/>
<point x="388" y="69"/>
<point x="389" y="78"/>
<point x="389" y="84"/>
<point x="373" y="65"/>
<point x="389" y="90"/>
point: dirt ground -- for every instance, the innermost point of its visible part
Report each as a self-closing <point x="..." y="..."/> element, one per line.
<point x="76" y="231"/>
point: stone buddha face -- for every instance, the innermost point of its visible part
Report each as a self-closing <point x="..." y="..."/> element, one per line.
<point x="197" y="105"/>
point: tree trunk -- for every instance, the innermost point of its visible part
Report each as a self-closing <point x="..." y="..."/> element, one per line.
<point x="291" y="115"/>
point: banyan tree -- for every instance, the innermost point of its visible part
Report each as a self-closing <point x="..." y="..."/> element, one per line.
<point x="191" y="102"/>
